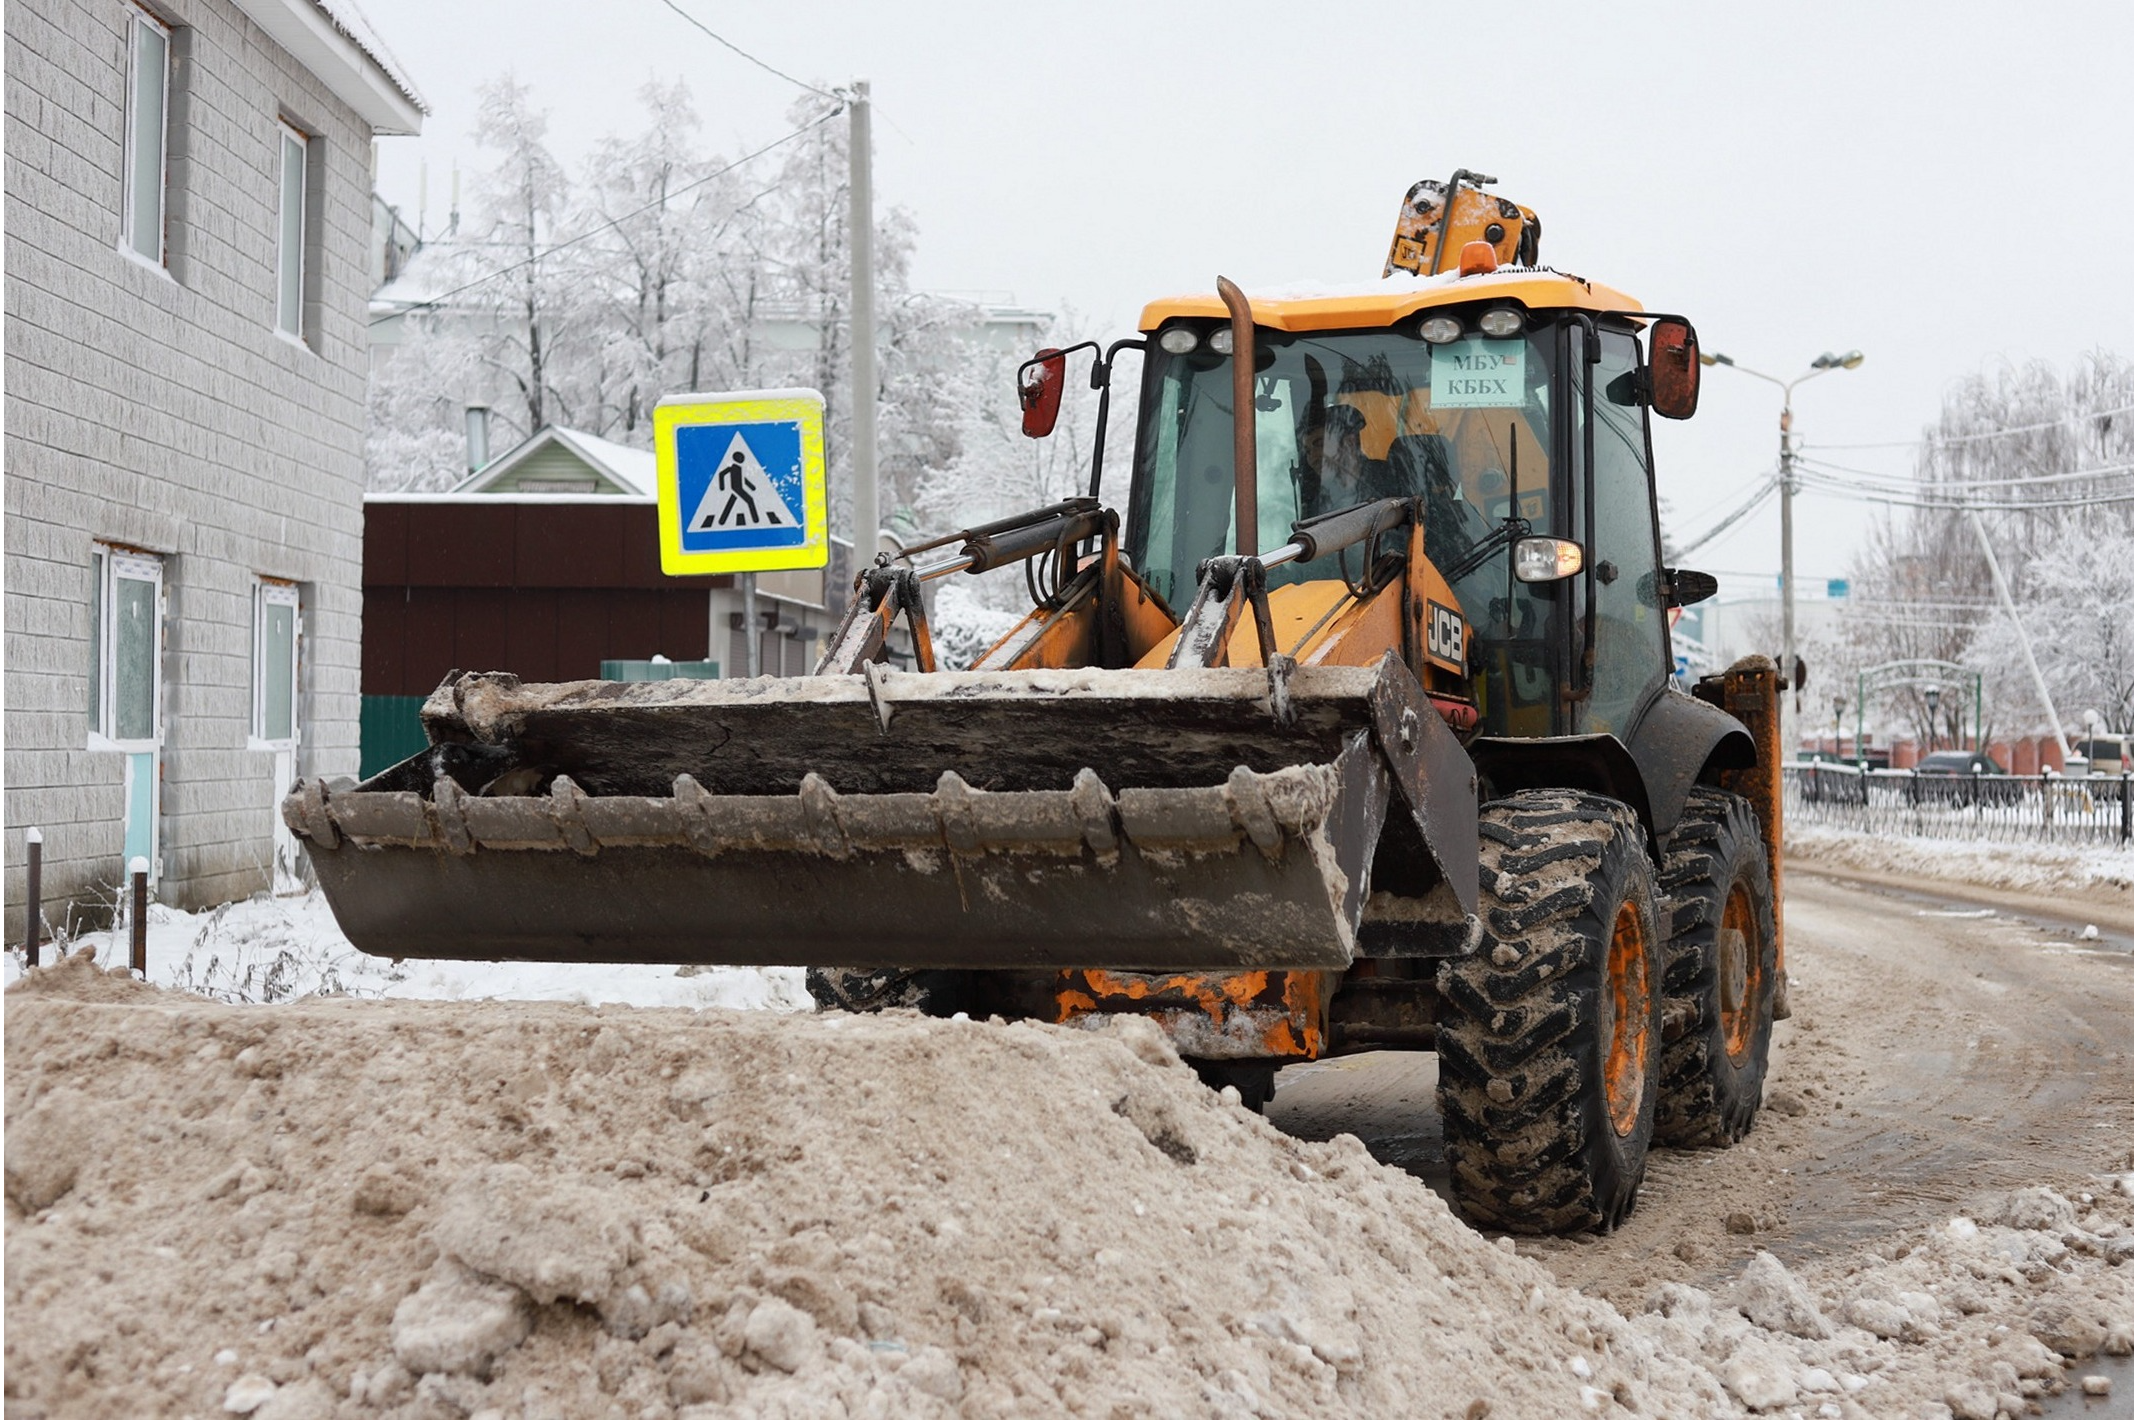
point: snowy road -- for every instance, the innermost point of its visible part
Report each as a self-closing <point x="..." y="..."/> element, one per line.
<point x="1939" y="1051"/>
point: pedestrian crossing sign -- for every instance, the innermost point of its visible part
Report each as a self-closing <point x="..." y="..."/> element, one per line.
<point x="741" y="485"/>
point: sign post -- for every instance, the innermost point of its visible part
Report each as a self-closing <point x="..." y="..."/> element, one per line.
<point x="741" y="487"/>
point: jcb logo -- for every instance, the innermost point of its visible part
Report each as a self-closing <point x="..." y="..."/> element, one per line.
<point x="1445" y="635"/>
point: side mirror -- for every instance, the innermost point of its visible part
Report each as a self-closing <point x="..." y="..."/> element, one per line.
<point x="1675" y="370"/>
<point x="1039" y="383"/>
<point x="1687" y="588"/>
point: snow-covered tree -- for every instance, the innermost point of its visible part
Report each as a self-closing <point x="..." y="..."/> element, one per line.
<point x="663" y="223"/>
<point x="666" y="269"/>
<point x="998" y="471"/>
<point x="2005" y="443"/>
<point x="416" y="438"/>
<point x="2078" y="607"/>
<point x="521" y="203"/>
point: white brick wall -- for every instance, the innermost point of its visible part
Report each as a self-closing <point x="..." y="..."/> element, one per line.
<point x="163" y="411"/>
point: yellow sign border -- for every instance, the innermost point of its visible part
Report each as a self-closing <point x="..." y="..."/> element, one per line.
<point x="694" y="411"/>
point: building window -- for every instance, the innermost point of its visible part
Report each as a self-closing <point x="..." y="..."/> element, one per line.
<point x="126" y="647"/>
<point x="147" y="121"/>
<point x="276" y="610"/>
<point x="289" y="266"/>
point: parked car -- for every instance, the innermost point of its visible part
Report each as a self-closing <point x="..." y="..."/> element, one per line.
<point x="1964" y="777"/>
<point x="2106" y="754"/>
<point x="1823" y="774"/>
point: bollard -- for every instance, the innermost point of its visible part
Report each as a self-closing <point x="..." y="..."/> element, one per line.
<point x="33" y="902"/>
<point x="137" y="928"/>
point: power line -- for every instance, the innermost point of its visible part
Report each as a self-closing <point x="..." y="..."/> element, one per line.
<point x="1833" y="488"/>
<point x="1756" y="500"/>
<point x="1899" y="481"/>
<point x="435" y="301"/>
<point x="1918" y="622"/>
<point x="1984" y="434"/>
<point x="760" y="64"/>
<point x="1717" y="503"/>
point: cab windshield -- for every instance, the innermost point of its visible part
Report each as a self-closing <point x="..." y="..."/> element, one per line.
<point x="1344" y="418"/>
<point x="1348" y="417"/>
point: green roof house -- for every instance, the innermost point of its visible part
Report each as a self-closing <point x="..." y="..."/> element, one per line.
<point x="565" y="461"/>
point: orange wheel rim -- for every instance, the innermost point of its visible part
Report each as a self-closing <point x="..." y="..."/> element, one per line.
<point x="1630" y="1040"/>
<point x="1740" y="970"/>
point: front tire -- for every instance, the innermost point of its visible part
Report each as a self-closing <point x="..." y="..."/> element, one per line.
<point x="1549" y="1036"/>
<point x="931" y="993"/>
<point x="1722" y="972"/>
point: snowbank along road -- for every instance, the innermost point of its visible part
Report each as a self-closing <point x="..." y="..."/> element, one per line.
<point x="346" y="1208"/>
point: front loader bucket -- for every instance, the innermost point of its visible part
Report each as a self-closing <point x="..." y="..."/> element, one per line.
<point x="1169" y="820"/>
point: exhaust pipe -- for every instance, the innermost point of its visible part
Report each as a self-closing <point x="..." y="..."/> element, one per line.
<point x="1247" y="436"/>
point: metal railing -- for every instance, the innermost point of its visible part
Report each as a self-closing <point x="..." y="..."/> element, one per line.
<point x="2026" y="807"/>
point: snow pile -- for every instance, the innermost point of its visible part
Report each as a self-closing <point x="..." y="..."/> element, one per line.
<point x="277" y="949"/>
<point x="2102" y="868"/>
<point x="1968" y="1319"/>
<point x="344" y="1208"/>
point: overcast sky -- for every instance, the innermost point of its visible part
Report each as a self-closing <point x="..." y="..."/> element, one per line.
<point x="1943" y="186"/>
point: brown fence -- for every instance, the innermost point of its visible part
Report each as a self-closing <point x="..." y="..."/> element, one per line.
<point x="546" y="590"/>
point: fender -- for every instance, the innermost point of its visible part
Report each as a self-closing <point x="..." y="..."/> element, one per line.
<point x="1601" y="764"/>
<point x="1681" y="742"/>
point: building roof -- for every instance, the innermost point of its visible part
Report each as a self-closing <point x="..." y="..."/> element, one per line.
<point x="331" y="40"/>
<point x="630" y="471"/>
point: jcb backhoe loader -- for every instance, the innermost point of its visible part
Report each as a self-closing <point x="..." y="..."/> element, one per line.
<point x="1408" y="773"/>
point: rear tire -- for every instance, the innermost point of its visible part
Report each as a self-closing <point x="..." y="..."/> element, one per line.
<point x="1549" y="1036"/>
<point x="1722" y="972"/>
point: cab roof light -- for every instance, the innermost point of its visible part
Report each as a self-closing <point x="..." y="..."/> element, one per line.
<point x="1222" y="340"/>
<point x="1501" y="321"/>
<point x="1441" y="330"/>
<point x="1179" y="340"/>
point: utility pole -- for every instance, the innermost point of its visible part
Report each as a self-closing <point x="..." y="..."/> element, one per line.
<point x="866" y="505"/>
<point x="1788" y="484"/>
<point x="1785" y="542"/>
<point x="752" y="635"/>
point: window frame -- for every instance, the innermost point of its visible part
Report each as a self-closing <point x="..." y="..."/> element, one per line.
<point x="286" y="251"/>
<point x="1602" y="331"/>
<point x="268" y="592"/>
<point x="129" y="197"/>
<point x="110" y="564"/>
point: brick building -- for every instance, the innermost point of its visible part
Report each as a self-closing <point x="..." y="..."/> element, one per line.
<point x="188" y="273"/>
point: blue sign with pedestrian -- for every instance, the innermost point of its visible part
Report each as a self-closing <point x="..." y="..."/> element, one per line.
<point x="741" y="485"/>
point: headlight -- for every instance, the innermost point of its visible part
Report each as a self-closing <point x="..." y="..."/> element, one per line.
<point x="1441" y="330"/>
<point x="1546" y="559"/>
<point x="1179" y="340"/>
<point x="1501" y="321"/>
<point x="1220" y="341"/>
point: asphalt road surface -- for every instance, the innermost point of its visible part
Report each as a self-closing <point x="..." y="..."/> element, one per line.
<point x="1939" y="1051"/>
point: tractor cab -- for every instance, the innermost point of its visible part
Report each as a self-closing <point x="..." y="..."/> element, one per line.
<point x="1510" y="407"/>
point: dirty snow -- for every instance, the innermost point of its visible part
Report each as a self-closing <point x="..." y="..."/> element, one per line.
<point x="2106" y="869"/>
<point x="347" y="1208"/>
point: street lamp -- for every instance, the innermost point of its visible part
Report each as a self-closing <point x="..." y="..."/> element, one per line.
<point x="1823" y="364"/>
<point x="1933" y="694"/>
<point x="1837" y="732"/>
